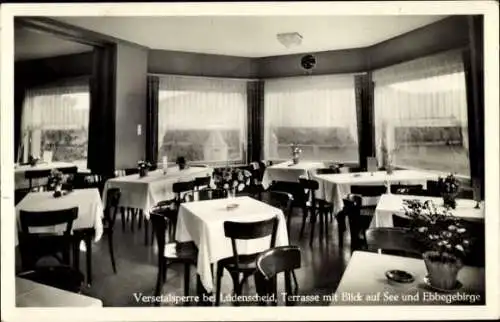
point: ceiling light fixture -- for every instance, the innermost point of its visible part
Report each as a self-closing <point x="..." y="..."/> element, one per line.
<point x="289" y="39"/>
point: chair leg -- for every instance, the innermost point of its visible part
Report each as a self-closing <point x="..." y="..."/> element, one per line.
<point x="111" y="251"/>
<point x="304" y="218"/>
<point x="187" y="272"/>
<point x="122" y="211"/>
<point x="237" y="286"/>
<point x="132" y="219"/>
<point x="218" y="286"/>
<point x="160" y="278"/>
<point x="139" y="218"/>
<point x="321" y="224"/>
<point x="313" y="226"/>
<point x="88" y="246"/>
<point x="146" y="231"/>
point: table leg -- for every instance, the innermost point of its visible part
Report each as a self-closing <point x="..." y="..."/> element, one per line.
<point x="88" y="246"/>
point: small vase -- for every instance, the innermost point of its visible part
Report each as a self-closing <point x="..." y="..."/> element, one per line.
<point x="449" y="200"/>
<point x="143" y="172"/>
<point x="57" y="191"/>
<point x="442" y="269"/>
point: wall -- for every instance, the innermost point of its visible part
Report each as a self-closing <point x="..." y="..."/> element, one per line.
<point x="131" y="82"/>
<point x="192" y="64"/>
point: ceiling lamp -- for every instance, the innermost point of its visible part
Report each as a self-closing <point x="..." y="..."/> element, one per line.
<point x="290" y="39"/>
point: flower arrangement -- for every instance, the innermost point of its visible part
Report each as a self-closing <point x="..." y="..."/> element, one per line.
<point x="232" y="179"/>
<point x="444" y="238"/>
<point x="296" y="151"/>
<point x="143" y="167"/>
<point x="55" y="181"/>
<point x="448" y="188"/>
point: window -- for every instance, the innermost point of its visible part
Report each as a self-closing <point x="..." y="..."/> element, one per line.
<point x="421" y="114"/>
<point x="55" y="124"/>
<point x="318" y="113"/>
<point x="202" y="119"/>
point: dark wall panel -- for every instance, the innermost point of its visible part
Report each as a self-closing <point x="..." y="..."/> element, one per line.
<point x="328" y="62"/>
<point x="192" y="64"/>
<point x="442" y="35"/>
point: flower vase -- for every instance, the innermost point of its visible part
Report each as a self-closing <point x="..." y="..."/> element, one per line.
<point x="449" y="200"/>
<point x="57" y="190"/>
<point x="442" y="269"/>
<point x="143" y="172"/>
<point x="295" y="158"/>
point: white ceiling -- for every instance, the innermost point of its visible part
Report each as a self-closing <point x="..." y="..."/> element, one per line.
<point x="29" y="44"/>
<point x="252" y="36"/>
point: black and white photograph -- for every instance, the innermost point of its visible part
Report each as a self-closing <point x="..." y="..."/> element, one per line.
<point x="195" y="161"/>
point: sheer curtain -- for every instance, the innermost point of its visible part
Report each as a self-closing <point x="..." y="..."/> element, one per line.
<point x="202" y="119"/>
<point x="316" y="112"/>
<point x="55" y="121"/>
<point x="421" y="114"/>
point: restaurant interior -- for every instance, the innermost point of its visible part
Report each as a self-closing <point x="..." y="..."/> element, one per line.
<point x="249" y="161"/>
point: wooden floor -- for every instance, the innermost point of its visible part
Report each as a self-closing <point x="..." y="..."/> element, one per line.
<point x="322" y="267"/>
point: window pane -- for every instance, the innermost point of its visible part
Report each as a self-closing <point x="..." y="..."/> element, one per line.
<point x="55" y="124"/>
<point x="421" y="119"/>
<point x="318" y="113"/>
<point x="203" y="120"/>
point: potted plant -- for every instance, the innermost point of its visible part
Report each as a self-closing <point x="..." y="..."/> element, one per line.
<point x="232" y="179"/>
<point x="55" y="182"/>
<point x="444" y="239"/>
<point x="32" y="160"/>
<point x="296" y="151"/>
<point x="143" y="167"/>
<point x="449" y="187"/>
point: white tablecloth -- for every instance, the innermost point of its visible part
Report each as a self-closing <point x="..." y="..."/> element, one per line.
<point x="20" y="170"/>
<point x="287" y="171"/>
<point x="390" y="204"/>
<point x="365" y="274"/>
<point x="145" y="192"/>
<point x="334" y="187"/>
<point x="31" y="294"/>
<point x="88" y="201"/>
<point x="203" y="223"/>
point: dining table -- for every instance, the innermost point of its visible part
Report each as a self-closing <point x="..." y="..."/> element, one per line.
<point x="393" y="204"/>
<point x="364" y="282"/>
<point x="334" y="187"/>
<point x="289" y="172"/>
<point x="145" y="192"/>
<point x="20" y="182"/>
<point x="33" y="294"/>
<point x="203" y="223"/>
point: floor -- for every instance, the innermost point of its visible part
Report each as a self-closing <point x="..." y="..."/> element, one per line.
<point x="322" y="267"/>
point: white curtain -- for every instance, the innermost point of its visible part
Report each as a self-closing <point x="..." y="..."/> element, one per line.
<point x="316" y="112"/>
<point x="421" y="113"/>
<point x="63" y="107"/>
<point x="202" y="119"/>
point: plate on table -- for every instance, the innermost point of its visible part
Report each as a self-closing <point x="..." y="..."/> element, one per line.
<point x="399" y="276"/>
<point x="232" y="206"/>
<point x="457" y="286"/>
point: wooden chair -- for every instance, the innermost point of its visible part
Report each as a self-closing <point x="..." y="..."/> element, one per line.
<point x="396" y="241"/>
<point x="277" y="260"/>
<point x="35" y="246"/>
<point x="243" y="264"/>
<point x="112" y="201"/>
<point x="357" y="223"/>
<point x="369" y="190"/>
<point x="407" y="189"/>
<point x="31" y="175"/>
<point x="280" y="200"/>
<point x="210" y="194"/>
<point x="401" y="222"/>
<point x="202" y="182"/>
<point x="315" y="208"/>
<point x="183" y="192"/>
<point x="163" y="218"/>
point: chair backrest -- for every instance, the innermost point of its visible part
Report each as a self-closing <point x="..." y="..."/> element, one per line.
<point x="201" y="182"/>
<point x="34" y="246"/>
<point x="130" y="171"/>
<point x="432" y="189"/>
<point x="112" y="200"/>
<point x="352" y="210"/>
<point x="277" y="260"/>
<point x="71" y="170"/>
<point x="401" y="222"/>
<point x="35" y="174"/>
<point x="183" y="190"/>
<point x="250" y="230"/>
<point x="210" y="194"/>
<point x="368" y="190"/>
<point x="398" y="241"/>
<point x="327" y="171"/>
<point x="310" y="186"/>
<point x="279" y="199"/>
<point x="293" y="188"/>
<point x="161" y="217"/>
<point x="407" y="189"/>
